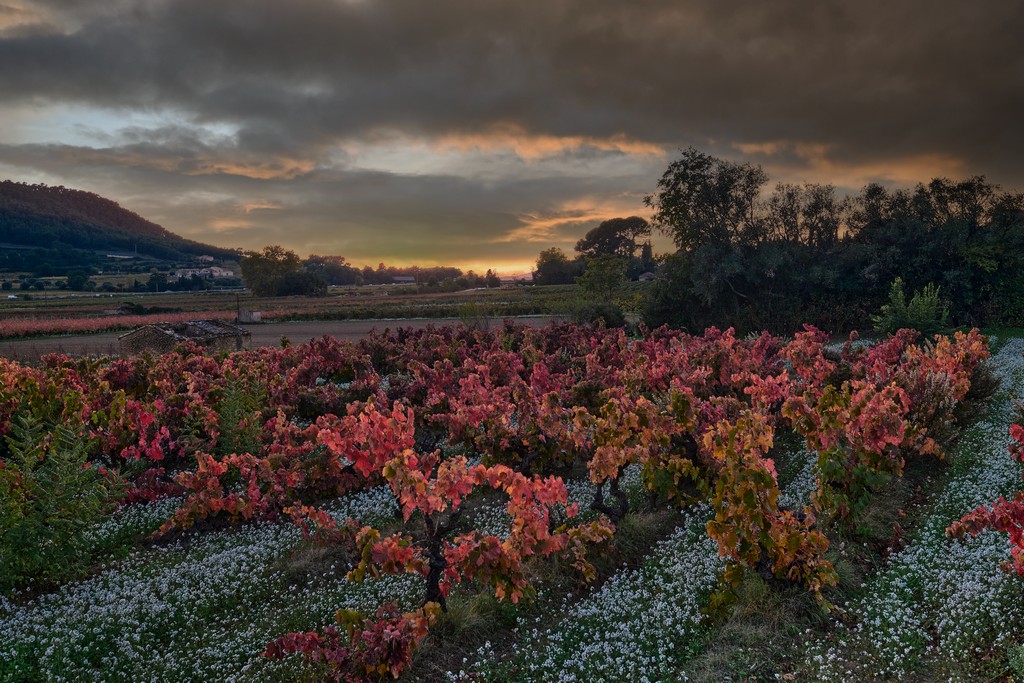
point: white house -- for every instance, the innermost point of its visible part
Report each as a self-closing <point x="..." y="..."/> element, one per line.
<point x="207" y="272"/>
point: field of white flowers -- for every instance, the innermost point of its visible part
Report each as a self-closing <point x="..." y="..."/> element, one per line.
<point x="941" y="599"/>
<point x="203" y="608"/>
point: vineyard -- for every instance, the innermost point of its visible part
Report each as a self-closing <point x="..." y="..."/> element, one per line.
<point x="63" y="314"/>
<point x="557" y="504"/>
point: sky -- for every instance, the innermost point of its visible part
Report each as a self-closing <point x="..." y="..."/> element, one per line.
<point x="477" y="133"/>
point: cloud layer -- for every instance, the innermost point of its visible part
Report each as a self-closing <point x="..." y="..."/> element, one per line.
<point x="483" y="131"/>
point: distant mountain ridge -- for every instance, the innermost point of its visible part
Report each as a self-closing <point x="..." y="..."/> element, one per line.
<point x="48" y="216"/>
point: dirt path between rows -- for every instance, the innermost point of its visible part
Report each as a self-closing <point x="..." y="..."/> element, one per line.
<point x="264" y="334"/>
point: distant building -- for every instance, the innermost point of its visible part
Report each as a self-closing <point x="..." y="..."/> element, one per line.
<point x="403" y="280"/>
<point x="208" y="272"/>
<point x="646" y="277"/>
<point x="247" y="317"/>
<point x="205" y="258"/>
<point x="123" y="309"/>
<point x="163" y="337"/>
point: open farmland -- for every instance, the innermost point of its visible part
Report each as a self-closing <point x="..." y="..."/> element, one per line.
<point x="43" y="315"/>
<point x="555" y="504"/>
<point x="263" y="334"/>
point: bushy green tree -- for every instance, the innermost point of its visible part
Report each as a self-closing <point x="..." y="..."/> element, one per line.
<point x="157" y="282"/>
<point x="77" y="279"/>
<point x="615" y="237"/>
<point x="238" y="417"/>
<point x="335" y="270"/>
<point x="301" y="283"/>
<point x="704" y="200"/>
<point x="554" y="268"/>
<point x="803" y="254"/>
<point x="263" y="270"/>
<point x="603" y="278"/>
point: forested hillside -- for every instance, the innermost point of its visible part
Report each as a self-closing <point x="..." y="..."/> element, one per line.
<point x="54" y="216"/>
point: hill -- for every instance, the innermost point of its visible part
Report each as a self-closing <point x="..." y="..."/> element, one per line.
<point x="55" y="218"/>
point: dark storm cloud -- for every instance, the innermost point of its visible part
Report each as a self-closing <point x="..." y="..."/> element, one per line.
<point x="871" y="78"/>
<point x="271" y="101"/>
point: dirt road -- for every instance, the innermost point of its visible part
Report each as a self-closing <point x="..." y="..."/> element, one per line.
<point x="265" y="334"/>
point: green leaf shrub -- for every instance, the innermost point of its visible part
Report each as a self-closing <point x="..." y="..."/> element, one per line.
<point x="925" y="313"/>
<point x="50" y="495"/>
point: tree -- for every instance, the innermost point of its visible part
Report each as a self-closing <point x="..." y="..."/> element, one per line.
<point x="364" y="648"/>
<point x="263" y="270"/>
<point x="704" y="200"/>
<point x="615" y="237"/>
<point x="1004" y="514"/>
<point x="77" y="279"/>
<point x="647" y="257"/>
<point x="334" y="269"/>
<point x="301" y="283"/>
<point x="431" y="492"/>
<point x="810" y="214"/>
<point x="604" y="276"/>
<point x="51" y="496"/>
<point x="492" y="279"/>
<point x="157" y="282"/>
<point x="553" y="268"/>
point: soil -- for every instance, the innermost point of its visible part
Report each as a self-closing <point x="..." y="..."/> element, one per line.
<point x="263" y="334"/>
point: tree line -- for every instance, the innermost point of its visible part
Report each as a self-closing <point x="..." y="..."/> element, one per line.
<point x="754" y="258"/>
<point x="276" y="271"/>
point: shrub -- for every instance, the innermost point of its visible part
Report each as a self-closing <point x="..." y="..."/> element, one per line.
<point x="369" y="649"/>
<point x="49" y="496"/>
<point x="475" y="315"/>
<point x="238" y="417"/>
<point x="590" y="312"/>
<point x="1015" y="655"/>
<point x="925" y="313"/>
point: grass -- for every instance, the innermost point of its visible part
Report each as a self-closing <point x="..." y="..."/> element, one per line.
<point x="759" y="634"/>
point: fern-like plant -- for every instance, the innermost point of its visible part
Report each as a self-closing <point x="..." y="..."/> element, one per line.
<point x="925" y="312"/>
<point x="238" y="417"/>
<point x="49" y="496"/>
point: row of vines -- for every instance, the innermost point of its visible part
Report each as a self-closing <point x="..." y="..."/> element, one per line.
<point x="445" y="416"/>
